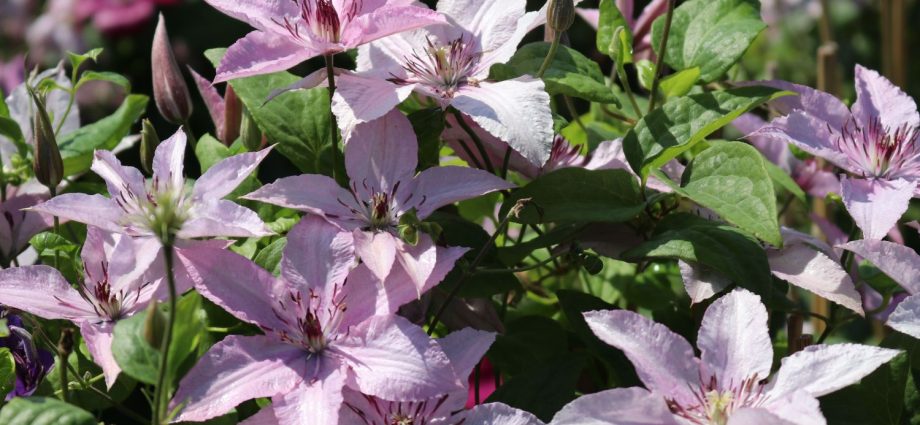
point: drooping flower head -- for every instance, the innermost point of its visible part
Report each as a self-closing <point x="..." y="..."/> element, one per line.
<point x="291" y="31"/>
<point x="728" y="383"/>
<point x="32" y="363"/>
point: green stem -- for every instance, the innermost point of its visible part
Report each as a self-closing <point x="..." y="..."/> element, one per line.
<point x="65" y="393"/>
<point x="189" y="134"/>
<point x="550" y="55"/>
<point x="476" y="140"/>
<point x="573" y="112"/>
<point x="662" y="50"/>
<point x="621" y="72"/>
<point x="506" y="162"/>
<point x="333" y="126"/>
<point x="60" y="125"/>
<point x="57" y="224"/>
<point x="161" y="395"/>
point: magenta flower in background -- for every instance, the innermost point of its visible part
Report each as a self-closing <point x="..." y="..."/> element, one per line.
<point x="876" y="142"/>
<point x="133" y="205"/>
<point x="290" y="32"/>
<point x="12" y="73"/>
<point x="114" y="16"/>
<point x="726" y="384"/>
<point x="381" y="161"/>
<point x="32" y="363"/>
<point x="641" y="26"/>
<point x="327" y="325"/>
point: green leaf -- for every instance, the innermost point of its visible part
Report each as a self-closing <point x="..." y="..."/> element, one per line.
<point x="7" y="371"/>
<point x="645" y="69"/>
<point x="456" y="231"/>
<point x="877" y="400"/>
<point x="610" y="19"/>
<point x="76" y="60"/>
<point x="4" y="330"/>
<point x="680" y="124"/>
<point x="709" y="34"/>
<point x="44" y="411"/>
<point x="269" y="258"/>
<point x="428" y="125"/>
<point x="298" y="121"/>
<point x="210" y="151"/>
<point x="10" y="129"/>
<point x="721" y="247"/>
<point x="680" y="83"/>
<point x="570" y="72"/>
<point x="579" y="195"/>
<point x="112" y="77"/>
<point x="77" y="147"/>
<point x="782" y="179"/>
<point x="730" y="179"/>
<point x="48" y="242"/>
<point x="544" y="390"/>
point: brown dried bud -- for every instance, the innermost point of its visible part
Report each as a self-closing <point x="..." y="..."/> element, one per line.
<point x="149" y="142"/>
<point x="169" y="88"/>
<point x="233" y="116"/>
<point x="65" y="343"/>
<point x="48" y="165"/>
<point x="560" y="14"/>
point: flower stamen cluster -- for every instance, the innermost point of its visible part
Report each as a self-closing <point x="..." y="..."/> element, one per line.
<point x="443" y="68"/>
<point x="881" y="151"/>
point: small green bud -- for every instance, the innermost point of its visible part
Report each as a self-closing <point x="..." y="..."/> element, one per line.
<point x="408" y="227"/>
<point x="250" y="135"/>
<point x="560" y="15"/>
<point x="48" y="165"/>
<point x="154" y="325"/>
<point x="149" y="142"/>
<point x="169" y="89"/>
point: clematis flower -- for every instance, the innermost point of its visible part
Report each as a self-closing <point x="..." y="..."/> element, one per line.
<point x="327" y="325"/>
<point x="450" y="63"/>
<point x="119" y="282"/>
<point x="727" y="384"/>
<point x="384" y="188"/>
<point x="640" y="26"/>
<point x="117" y="16"/>
<point x="876" y="142"/>
<point x="135" y="208"/>
<point x="32" y="363"/>
<point x="290" y="32"/>
<point x="17" y="226"/>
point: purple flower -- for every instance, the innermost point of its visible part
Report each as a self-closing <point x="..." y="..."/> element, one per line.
<point x="728" y="383"/>
<point x="876" y="142"/>
<point x="32" y="363"/>
<point x="327" y="325"/>
<point x="289" y="32"/>
<point x="381" y="161"/>
<point x="17" y="226"/>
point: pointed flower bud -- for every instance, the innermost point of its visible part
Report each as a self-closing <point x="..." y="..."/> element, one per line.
<point x="169" y="88"/>
<point x="560" y="15"/>
<point x="48" y="165"/>
<point x="149" y="143"/>
<point x="233" y="116"/>
<point x="154" y="325"/>
<point x="250" y="135"/>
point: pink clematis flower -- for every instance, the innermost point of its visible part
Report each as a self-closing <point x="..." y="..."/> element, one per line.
<point x="18" y="226"/>
<point x="114" y="16"/>
<point x="877" y="143"/>
<point x="641" y="26"/>
<point x="290" y="32"/>
<point x="121" y="278"/>
<point x="727" y="384"/>
<point x="381" y="161"/>
<point x="327" y="325"/>
<point x="450" y="64"/>
<point x="133" y="206"/>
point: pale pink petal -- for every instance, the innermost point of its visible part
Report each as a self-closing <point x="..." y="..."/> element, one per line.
<point x="734" y="340"/>
<point x="121" y="259"/>
<point x="774" y="150"/>
<point x="417" y="261"/>
<point x="260" y="14"/>
<point x="212" y="100"/>
<point x="361" y="99"/>
<point x="642" y="26"/>
<point x="98" y="338"/>
<point x="383" y="59"/>
<point x="440" y="186"/>
<point x="812" y="270"/>
<point x="663" y="359"/>
<point x="498" y="413"/>
<point x="169" y="160"/>
<point x="377" y="251"/>
<point x="96" y="210"/>
<point x="465" y="348"/>
<point x="899" y="262"/>
<point x="823" y="106"/>
<point x="312" y="402"/>
<point x="516" y="111"/>
<point x="388" y="20"/>
<point x="759" y="416"/>
<point x="879" y="99"/>
<point x="700" y="282"/>
<point x="261" y="53"/>
<point x="823" y="369"/>
<point x="906" y="316"/>
<point x="221" y="218"/>
<point x="394" y="359"/>
<point x="237" y="369"/>
<point x="318" y="78"/>
<point x="799" y="408"/>
<point x="876" y="205"/>
<point x="619" y="406"/>
<point x="492" y="23"/>
<point x="223" y="177"/>
<point x="591" y="16"/>
<point x="809" y="134"/>
<point x="42" y="291"/>
<point x="382" y="153"/>
<point x="318" y="255"/>
<point x="118" y="177"/>
<point x="313" y="193"/>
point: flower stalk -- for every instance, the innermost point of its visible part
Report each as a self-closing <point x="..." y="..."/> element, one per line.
<point x="161" y="395"/>
<point x="662" y="51"/>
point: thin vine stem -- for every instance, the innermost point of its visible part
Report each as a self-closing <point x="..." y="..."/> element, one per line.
<point x="662" y="51"/>
<point x="161" y="396"/>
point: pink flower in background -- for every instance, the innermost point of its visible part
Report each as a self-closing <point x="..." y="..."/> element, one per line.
<point x="877" y="143"/>
<point x="12" y="73"/>
<point x="381" y="161"/>
<point x="17" y="226"/>
<point x="641" y="26"/>
<point x="727" y="383"/>
<point x="113" y="16"/>
<point x="327" y="325"/>
<point x="290" y="32"/>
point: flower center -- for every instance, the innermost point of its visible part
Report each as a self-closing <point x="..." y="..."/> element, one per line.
<point x="444" y="68"/>
<point x="880" y="151"/>
<point x="106" y="302"/>
<point x="162" y="210"/>
<point x="714" y="404"/>
<point x="382" y="412"/>
<point x="320" y="18"/>
<point x="314" y="325"/>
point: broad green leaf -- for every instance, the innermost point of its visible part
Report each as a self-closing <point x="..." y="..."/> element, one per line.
<point x="7" y="371"/>
<point x="44" y="411"/>
<point x="269" y="258"/>
<point x="529" y="342"/>
<point x="783" y="180"/>
<point x="680" y="124"/>
<point x="77" y="147"/>
<point x="709" y="34"/>
<point x="570" y="72"/>
<point x="724" y="248"/>
<point x="680" y="83"/>
<point x="611" y="18"/>
<point x="645" y="69"/>
<point x="579" y="195"/>
<point x="298" y="121"/>
<point x="543" y="390"/>
<point x="456" y="231"/>
<point x="112" y="77"/>
<point x="50" y="242"/>
<point x="10" y="129"/>
<point x="730" y="179"/>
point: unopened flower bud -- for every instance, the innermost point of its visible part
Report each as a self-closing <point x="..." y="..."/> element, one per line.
<point x="250" y="135"/>
<point x="48" y="165"/>
<point x="169" y="88"/>
<point x="233" y="117"/>
<point x="65" y="343"/>
<point x="154" y="325"/>
<point x="560" y="14"/>
<point x="149" y="143"/>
